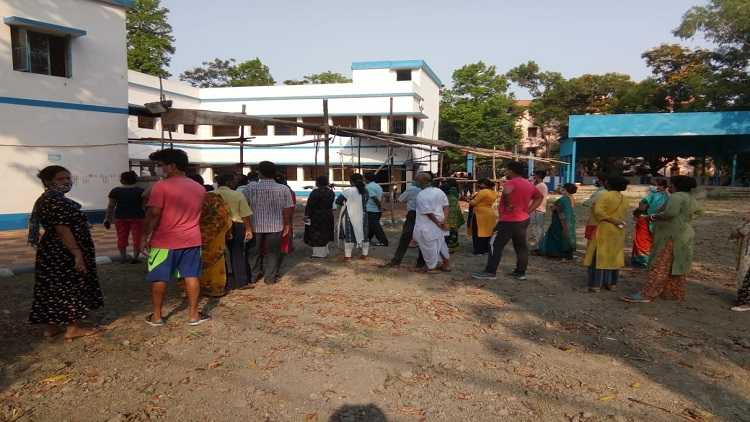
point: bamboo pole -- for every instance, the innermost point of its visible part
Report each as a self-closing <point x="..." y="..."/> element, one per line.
<point x="494" y="164"/>
<point x="327" y="132"/>
<point x="242" y="143"/>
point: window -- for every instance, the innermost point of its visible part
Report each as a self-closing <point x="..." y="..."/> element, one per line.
<point x="371" y="123"/>
<point x="342" y="176"/>
<point x="291" y="174"/>
<point x="35" y="52"/>
<point x="286" y="130"/>
<point x="146" y="122"/>
<point x="225" y="130"/>
<point x="415" y="129"/>
<point x="190" y="129"/>
<point x="311" y="172"/>
<point x="533" y="132"/>
<point x="399" y="125"/>
<point x="259" y="130"/>
<point x="403" y="75"/>
<point x="313" y="121"/>
<point x="345" y="121"/>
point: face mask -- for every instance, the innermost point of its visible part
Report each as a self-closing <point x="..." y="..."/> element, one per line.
<point x="159" y="172"/>
<point x="63" y="188"/>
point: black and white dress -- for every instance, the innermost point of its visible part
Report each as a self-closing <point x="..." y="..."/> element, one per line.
<point x="63" y="295"/>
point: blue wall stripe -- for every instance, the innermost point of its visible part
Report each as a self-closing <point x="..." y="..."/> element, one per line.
<point x="313" y="97"/>
<point x="399" y="64"/>
<point x="62" y="105"/>
<point x="20" y="221"/>
<point x="250" y="149"/>
<point x="122" y="3"/>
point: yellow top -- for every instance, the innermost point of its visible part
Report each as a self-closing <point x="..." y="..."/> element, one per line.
<point x="608" y="244"/>
<point x="484" y="212"/>
<point x="236" y="202"/>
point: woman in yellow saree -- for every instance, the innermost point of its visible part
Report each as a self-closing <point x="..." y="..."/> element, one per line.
<point x="216" y="222"/>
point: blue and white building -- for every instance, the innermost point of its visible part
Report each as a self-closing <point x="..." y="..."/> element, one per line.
<point x="410" y="85"/>
<point x="63" y="99"/>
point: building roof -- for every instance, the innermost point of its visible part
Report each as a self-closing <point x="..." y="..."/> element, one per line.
<point x="660" y="124"/>
<point x="399" y="64"/>
<point x="128" y="4"/>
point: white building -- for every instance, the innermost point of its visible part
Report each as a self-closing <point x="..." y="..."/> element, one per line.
<point x="410" y="85"/>
<point x="63" y="99"/>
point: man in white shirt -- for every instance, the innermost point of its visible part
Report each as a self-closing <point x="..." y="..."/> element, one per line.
<point x="431" y="227"/>
<point x="407" y="234"/>
<point x="536" y="229"/>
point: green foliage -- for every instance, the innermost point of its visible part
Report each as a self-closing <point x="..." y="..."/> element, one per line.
<point x="326" y="77"/>
<point x="150" y="40"/>
<point x="683" y="73"/>
<point x="726" y="23"/>
<point x="478" y="110"/>
<point x="223" y="73"/>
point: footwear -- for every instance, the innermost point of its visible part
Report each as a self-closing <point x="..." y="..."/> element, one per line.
<point x="741" y="308"/>
<point x="594" y="289"/>
<point x="611" y="287"/>
<point x="484" y="276"/>
<point x="271" y="280"/>
<point x="201" y="319"/>
<point x="635" y="298"/>
<point x="518" y="275"/>
<point x="391" y="265"/>
<point x="151" y="322"/>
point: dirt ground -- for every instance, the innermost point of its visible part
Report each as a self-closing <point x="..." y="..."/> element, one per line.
<point x="354" y="342"/>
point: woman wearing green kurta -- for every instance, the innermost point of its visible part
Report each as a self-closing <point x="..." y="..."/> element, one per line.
<point x="455" y="215"/>
<point x="672" y="251"/>
<point x="560" y="239"/>
<point x="605" y="251"/>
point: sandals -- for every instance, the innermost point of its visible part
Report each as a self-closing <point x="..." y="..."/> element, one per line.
<point x="150" y="321"/>
<point x="201" y="319"/>
<point x="87" y="333"/>
<point x="635" y="298"/>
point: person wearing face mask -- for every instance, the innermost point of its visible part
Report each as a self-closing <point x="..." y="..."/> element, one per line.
<point x="66" y="286"/>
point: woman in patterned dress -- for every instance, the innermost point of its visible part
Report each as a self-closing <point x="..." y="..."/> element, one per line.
<point x="672" y="251"/>
<point x="742" y="234"/>
<point x="66" y="286"/>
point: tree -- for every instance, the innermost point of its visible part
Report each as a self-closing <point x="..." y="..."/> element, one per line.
<point x="250" y="73"/>
<point x="150" y="40"/>
<point x="223" y="73"/>
<point x="478" y="110"/>
<point x="326" y="77"/>
<point x="683" y="73"/>
<point x="726" y="23"/>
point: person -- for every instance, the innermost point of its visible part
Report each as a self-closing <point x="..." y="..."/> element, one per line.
<point x="245" y="181"/>
<point x="287" y="241"/>
<point x="672" y="251"/>
<point x="375" y="211"/>
<point x="319" y="217"/>
<point x="353" y="225"/>
<point x="431" y="227"/>
<point x="407" y="232"/>
<point x="601" y="184"/>
<point x="482" y="218"/>
<point x="605" y="253"/>
<point x="172" y="233"/>
<point x="742" y="234"/>
<point x="66" y="286"/>
<point x="241" y="231"/>
<point x="125" y="208"/>
<point x="536" y="228"/>
<point x="455" y="217"/>
<point x="518" y="200"/>
<point x="272" y="219"/>
<point x="560" y="239"/>
<point x="644" y="228"/>
<point x="216" y="227"/>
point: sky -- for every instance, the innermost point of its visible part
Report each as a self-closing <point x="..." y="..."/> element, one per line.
<point x="296" y="38"/>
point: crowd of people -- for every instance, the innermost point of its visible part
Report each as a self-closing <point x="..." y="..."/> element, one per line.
<point x="232" y="237"/>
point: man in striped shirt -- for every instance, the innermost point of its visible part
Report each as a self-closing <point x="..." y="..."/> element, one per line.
<point x="272" y="218"/>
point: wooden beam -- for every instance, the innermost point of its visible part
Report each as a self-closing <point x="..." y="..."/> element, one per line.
<point x="327" y="132"/>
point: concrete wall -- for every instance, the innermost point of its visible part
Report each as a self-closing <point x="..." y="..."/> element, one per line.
<point x="78" y="122"/>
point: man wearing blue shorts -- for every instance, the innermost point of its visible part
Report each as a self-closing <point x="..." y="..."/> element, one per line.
<point x="172" y="232"/>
